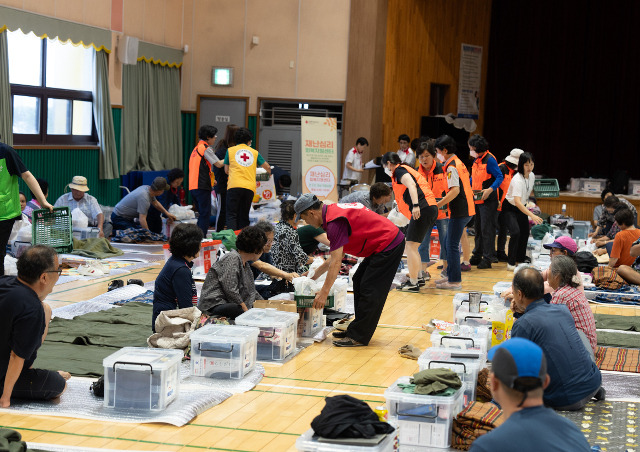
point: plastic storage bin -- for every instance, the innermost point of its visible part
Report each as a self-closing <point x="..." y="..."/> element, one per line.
<point x="223" y="351"/>
<point x="167" y="228"/>
<point x="85" y="233"/>
<point x="471" y="339"/>
<point x="206" y="259"/>
<point x="546" y="188"/>
<point x="581" y="230"/>
<point x="137" y="378"/>
<point x="422" y="420"/>
<point x="307" y="443"/>
<point x="500" y="287"/>
<point x="461" y="301"/>
<point x="278" y="330"/>
<point x="466" y="364"/>
<point x="310" y="321"/>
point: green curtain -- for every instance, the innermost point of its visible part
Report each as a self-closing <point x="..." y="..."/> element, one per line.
<point x="104" y="119"/>
<point x="6" y="128"/>
<point x="152" y="129"/>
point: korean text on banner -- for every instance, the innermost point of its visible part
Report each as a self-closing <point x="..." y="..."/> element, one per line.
<point x="469" y="81"/>
<point x="320" y="157"/>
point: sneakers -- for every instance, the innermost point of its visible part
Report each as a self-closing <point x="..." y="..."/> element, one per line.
<point x="484" y="264"/>
<point x="93" y="268"/>
<point x="442" y="280"/>
<point x="443" y="273"/>
<point x="408" y="287"/>
<point x="465" y="267"/>
<point x="502" y="257"/>
<point x="475" y="260"/>
<point x="348" y="342"/>
<point x="422" y="280"/>
<point x="339" y="334"/>
<point x="527" y="260"/>
<point x="449" y="286"/>
<point x="494" y="260"/>
<point x="511" y="267"/>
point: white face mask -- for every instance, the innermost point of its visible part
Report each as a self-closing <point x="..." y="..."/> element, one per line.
<point x="388" y="172"/>
<point x="440" y="157"/>
<point x="473" y="154"/>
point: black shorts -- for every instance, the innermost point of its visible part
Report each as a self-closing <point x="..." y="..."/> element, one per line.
<point x="38" y="384"/>
<point x="417" y="229"/>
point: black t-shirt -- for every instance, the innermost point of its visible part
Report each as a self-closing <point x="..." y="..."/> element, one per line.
<point x="21" y="323"/>
<point x="14" y="163"/>
<point x="399" y="173"/>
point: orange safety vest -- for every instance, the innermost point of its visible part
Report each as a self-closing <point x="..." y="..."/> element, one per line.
<point x="504" y="186"/>
<point x="480" y="177"/>
<point x="200" y="175"/>
<point x="437" y="180"/>
<point x="462" y="205"/>
<point x="399" y="190"/>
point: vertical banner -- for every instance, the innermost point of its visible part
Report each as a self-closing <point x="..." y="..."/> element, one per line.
<point x="469" y="81"/>
<point x="320" y="157"/>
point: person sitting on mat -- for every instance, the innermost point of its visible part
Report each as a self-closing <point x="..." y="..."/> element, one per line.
<point x="174" y="287"/>
<point x="24" y="323"/>
<point x="228" y="289"/>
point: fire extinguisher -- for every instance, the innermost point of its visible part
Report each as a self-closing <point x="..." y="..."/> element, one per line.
<point x="182" y="194"/>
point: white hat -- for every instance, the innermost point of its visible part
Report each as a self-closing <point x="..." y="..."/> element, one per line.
<point x="514" y="156"/>
<point x="79" y="183"/>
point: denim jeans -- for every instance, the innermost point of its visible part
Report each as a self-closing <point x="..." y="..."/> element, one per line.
<point x="202" y="200"/>
<point x="425" y="246"/>
<point x="454" y="232"/>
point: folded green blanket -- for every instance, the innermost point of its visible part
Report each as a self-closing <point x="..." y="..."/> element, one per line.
<point x="11" y="441"/>
<point x="96" y="248"/>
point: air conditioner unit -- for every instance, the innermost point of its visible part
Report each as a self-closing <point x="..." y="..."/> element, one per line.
<point x="128" y="50"/>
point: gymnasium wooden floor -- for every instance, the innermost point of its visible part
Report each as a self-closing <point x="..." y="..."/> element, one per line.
<point x="281" y="407"/>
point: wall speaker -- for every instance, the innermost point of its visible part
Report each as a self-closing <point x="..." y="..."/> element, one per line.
<point x="128" y="50"/>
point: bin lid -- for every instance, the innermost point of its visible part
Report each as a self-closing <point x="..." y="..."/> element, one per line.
<point x="225" y="333"/>
<point x="158" y="358"/>
<point x="472" y="359"/>
<point x="267" y="318"/>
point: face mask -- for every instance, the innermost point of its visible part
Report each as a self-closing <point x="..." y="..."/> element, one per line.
<point x="440" y="157"/>
<point x="388" y="172"/>
<point x="473" y="154"/>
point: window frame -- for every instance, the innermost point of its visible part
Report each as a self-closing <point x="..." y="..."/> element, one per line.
<point x="44" y="93"/>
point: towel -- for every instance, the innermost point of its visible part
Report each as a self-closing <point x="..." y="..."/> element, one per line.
<point x="410" y="351"/>
<point x="96" y="248"/>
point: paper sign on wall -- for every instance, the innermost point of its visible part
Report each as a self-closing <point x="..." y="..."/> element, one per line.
<point x="320" y="157"/>
<point x="469" y="81"/>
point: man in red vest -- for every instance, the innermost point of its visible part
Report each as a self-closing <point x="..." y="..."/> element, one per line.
<point x="354" y="229"/>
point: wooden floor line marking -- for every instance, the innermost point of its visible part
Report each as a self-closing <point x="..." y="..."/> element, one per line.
<point x="318" y="389"/>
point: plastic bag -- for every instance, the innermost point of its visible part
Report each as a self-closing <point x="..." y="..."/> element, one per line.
<point x="317" y="262"/>
<point x="182" y="212"/>
<point x="78" y="219"/>
<point x="397" y="218"/>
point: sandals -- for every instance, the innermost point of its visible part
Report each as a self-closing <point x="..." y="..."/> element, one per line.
<point x="348" y="342"/>
<point x="339" y="334"/>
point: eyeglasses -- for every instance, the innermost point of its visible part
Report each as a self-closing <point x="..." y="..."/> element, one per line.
<point x="269" y="241"/>
<point x="58" y="271"/>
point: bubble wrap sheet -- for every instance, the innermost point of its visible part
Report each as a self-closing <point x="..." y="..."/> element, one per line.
<point x="99" y="303"/>
<point x="621" y="385"/>
<point x="147" y="248"/>
<point x="196" y="395"/>
<point x="66" y="279"/>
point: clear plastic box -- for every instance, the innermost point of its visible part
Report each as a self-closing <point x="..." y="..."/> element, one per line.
<point x="500" y="287"/>
<point x="461" y="300"/>
<point x="137" y="378"/>
<point x="422" y="420"/>
<point x="468" y="338"/>
<point x="307" y="443"/>
<point x="223" y="351"/>
<point x="466" y="364"/>
<point x="206" y="258"/>
<point x="310" y="321"/>
<point x="278" y="331"/>
<point x="85" y="233"/>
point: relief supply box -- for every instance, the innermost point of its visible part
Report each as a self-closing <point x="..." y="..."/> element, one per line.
<point x="466" y="364"/>
<point x="307" y="442"/>
<point x="422" y="420"/>
<point x="137" y="378"/>
<point x="223" y="351"/>
<point x="278" y="331"/>
<point x="206" y="258"/>
<point x="310" y="321"/>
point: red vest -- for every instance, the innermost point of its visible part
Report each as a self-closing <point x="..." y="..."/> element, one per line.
<point x="462" y="205"/>
<point x="421" y="186"/>
<point x="480" y="177"/>
<point x="504" y="186"/>
<point x="437" y="180"/>
<point x="370" y="233"/>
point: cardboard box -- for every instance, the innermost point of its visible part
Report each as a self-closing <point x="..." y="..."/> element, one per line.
<point x="280" y="305"/>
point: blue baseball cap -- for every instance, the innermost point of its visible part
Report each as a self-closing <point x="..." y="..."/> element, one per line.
<point x="518" y="358"/>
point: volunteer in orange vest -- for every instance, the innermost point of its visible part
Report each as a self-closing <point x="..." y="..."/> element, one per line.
<point x="354" y="229"/>
<point x="240" y="164"/>
<point x="509" y="168"/>
<point x="486" y="178"/>
<point x="461" y="208"/>
<point x="201" y="178"/>
<point x="432" y="170"/>
<point x="417" y="203"/>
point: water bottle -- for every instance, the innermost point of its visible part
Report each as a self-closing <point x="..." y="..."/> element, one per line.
<point x="564" y="210"/>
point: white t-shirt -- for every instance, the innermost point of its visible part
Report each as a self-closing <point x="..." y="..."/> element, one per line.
<point x="520" y="187"/>
<point x="408" y="157"/>
<point x="355" y="158"/>
<point x="453" y="177"/>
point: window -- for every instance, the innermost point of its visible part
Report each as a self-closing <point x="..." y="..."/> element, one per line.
<point x="51" y="91"/>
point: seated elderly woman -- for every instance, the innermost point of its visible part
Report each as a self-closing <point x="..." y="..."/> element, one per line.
<point x="565" y="283"/>
<point x="287" y="253"/>
<point x="228" y="289"/>
<point x="174" y="287"/>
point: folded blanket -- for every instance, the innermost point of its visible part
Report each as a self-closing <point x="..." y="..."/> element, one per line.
<point x="11" y="441"/>
<point x="138" y="235"/>
<point x="483" y="391"/>
<point x="475" y="420"/>
<point x="96" y="248"/>
<point x="174" y="327"/>
<point x="434" y="381"/>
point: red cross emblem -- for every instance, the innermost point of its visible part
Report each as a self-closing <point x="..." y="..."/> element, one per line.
<point x="244" y="157"/>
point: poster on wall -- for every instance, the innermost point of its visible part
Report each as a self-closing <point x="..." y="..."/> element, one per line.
<point x="469" y="81"/>
<point x="320" y="157"/>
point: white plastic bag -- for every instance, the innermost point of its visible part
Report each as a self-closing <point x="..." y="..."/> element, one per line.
<point x="182" y="212"/>
<point x="397" y="218"/>
<point x="317" y="262"/>
<point x="78" y="219"/>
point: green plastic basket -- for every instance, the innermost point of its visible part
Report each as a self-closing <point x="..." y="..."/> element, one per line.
<point x="546" y="188"/>
<point x="306" y="301"/>
<point x="53" y="229"/>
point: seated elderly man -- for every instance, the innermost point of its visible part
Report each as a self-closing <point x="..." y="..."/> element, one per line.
<point x="135" y="206"/>
<point x="379" y="194"/>
<point x="518" y="380"/>
<point x="24" y="322"/>
<point x="575" y="378"/>
<point x="78" y="198"/>
<point x="631" y="273"/>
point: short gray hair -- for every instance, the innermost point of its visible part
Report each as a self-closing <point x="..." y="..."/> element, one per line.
<point x="265" y="226"/>
<point x="565" y="267"/>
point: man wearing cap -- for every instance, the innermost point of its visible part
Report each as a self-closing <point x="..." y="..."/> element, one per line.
<point x="80" y="199"/>
<point x="518" y="379"/>
<point x="354" y="229"/>
<point x="509" y="168"/>
<point x="136" y="204"/>
<point x="575" y="378"/>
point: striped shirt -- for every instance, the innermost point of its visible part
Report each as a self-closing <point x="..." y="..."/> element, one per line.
<point x="578" y="305"/>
